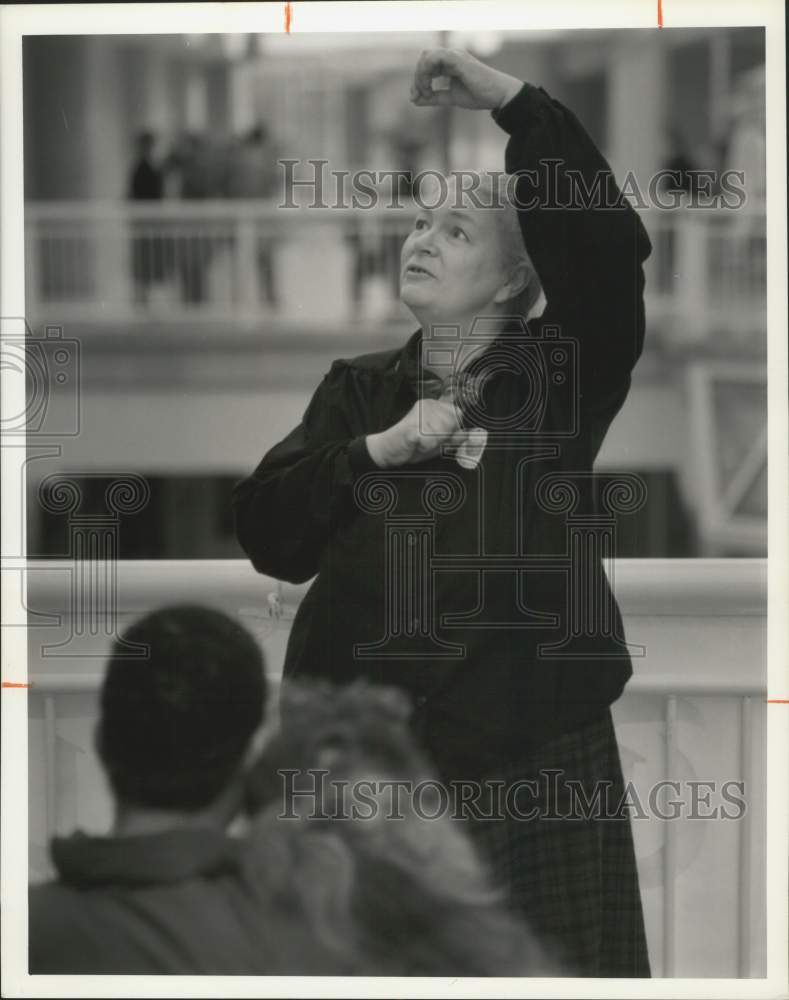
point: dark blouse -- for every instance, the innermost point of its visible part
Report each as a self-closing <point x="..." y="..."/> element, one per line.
<point x="479" y="590"/>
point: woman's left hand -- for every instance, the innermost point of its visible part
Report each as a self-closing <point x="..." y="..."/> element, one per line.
<point x="471" y="84"/>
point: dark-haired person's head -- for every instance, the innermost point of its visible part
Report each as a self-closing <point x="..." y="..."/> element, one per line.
<point x="176" y="726"/>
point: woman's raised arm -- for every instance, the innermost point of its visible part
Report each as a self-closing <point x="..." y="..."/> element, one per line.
<point x="585" y="240"/>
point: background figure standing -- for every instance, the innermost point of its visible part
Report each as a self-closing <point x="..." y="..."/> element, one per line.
<point x="746" y="144"/>
<point x="681" y="181"/>
<point x="252" y="175"/>
<point x="146" y="183"/>
<point x="744" y="256"/>
<point x="680" y="162"/>
<point x="193" y="162"/>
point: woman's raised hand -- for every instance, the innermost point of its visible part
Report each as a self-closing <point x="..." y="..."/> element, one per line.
<point x="467" y="82"/>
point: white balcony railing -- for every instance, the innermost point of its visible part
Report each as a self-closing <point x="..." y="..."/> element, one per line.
<point x="240" y="262"/>
<point x="694" y="711"/>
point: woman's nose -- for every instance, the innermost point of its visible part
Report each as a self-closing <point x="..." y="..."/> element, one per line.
<point x="424" y="242"/>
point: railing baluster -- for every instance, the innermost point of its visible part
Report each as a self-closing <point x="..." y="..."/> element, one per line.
<point x="247" y="266"/>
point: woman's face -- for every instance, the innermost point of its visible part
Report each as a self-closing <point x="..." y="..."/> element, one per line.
<point x="452" y="265"/>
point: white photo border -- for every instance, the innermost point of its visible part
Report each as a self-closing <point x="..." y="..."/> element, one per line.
<point x="35" y="19"/>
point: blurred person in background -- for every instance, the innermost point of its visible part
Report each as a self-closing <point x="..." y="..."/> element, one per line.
<point x="384" y="887"/>
<point x="677" y="178"/>
<point x="745" y="147"/>
<point x="252" y="174"/>
<point x="743" y="255"/>
<point x="195" y="165"/>
<point x="678" y="162"/>
<point x="146" y="183"/>
<point x="491" y="707"/>
<point x="252" y="170"/>
<point x="162" y="893"/>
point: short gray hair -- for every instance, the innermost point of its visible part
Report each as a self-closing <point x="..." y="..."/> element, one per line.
<point x="494" y="190"/>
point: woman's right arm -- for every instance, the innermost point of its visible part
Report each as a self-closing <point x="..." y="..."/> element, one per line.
<point x="287" y="509"/>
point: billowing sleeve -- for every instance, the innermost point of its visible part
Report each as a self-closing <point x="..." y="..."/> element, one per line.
<point x="584" y="238"/>
<point x="303" y="487"/>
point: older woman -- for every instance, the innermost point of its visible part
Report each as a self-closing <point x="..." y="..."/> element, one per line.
<point x="424" y="489"/>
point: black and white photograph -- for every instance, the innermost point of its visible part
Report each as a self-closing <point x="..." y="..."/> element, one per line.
<point x="392" y="399"/>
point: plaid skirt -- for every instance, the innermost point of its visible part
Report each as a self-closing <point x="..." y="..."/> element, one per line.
<point x="565" y="857"/>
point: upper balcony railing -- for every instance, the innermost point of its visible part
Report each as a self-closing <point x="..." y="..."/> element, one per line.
<point x="245" y="262"/>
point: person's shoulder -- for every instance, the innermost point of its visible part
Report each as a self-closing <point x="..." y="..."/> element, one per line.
<point x="40" y="891"/>
<point x="72" y="932"/>
<point x="55" y="915"/>
<point x="47" y="899"/>
<point x="375" y="361"/>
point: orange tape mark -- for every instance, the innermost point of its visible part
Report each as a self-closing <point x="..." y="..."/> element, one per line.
<point x="12" y="684"/>
<point x="778" y="701"/>
<point x="288" y="17"/>
<point x="660" y="13"/>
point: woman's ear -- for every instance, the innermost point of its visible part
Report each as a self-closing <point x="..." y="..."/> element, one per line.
<point x="520" y="277"/>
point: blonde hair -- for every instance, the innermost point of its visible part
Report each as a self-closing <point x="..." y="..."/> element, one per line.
<point x="387" y="895"/>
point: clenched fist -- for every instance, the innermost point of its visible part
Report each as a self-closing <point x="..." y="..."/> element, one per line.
<point x="420" y="435"/>
<point x="471" y="84"/>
